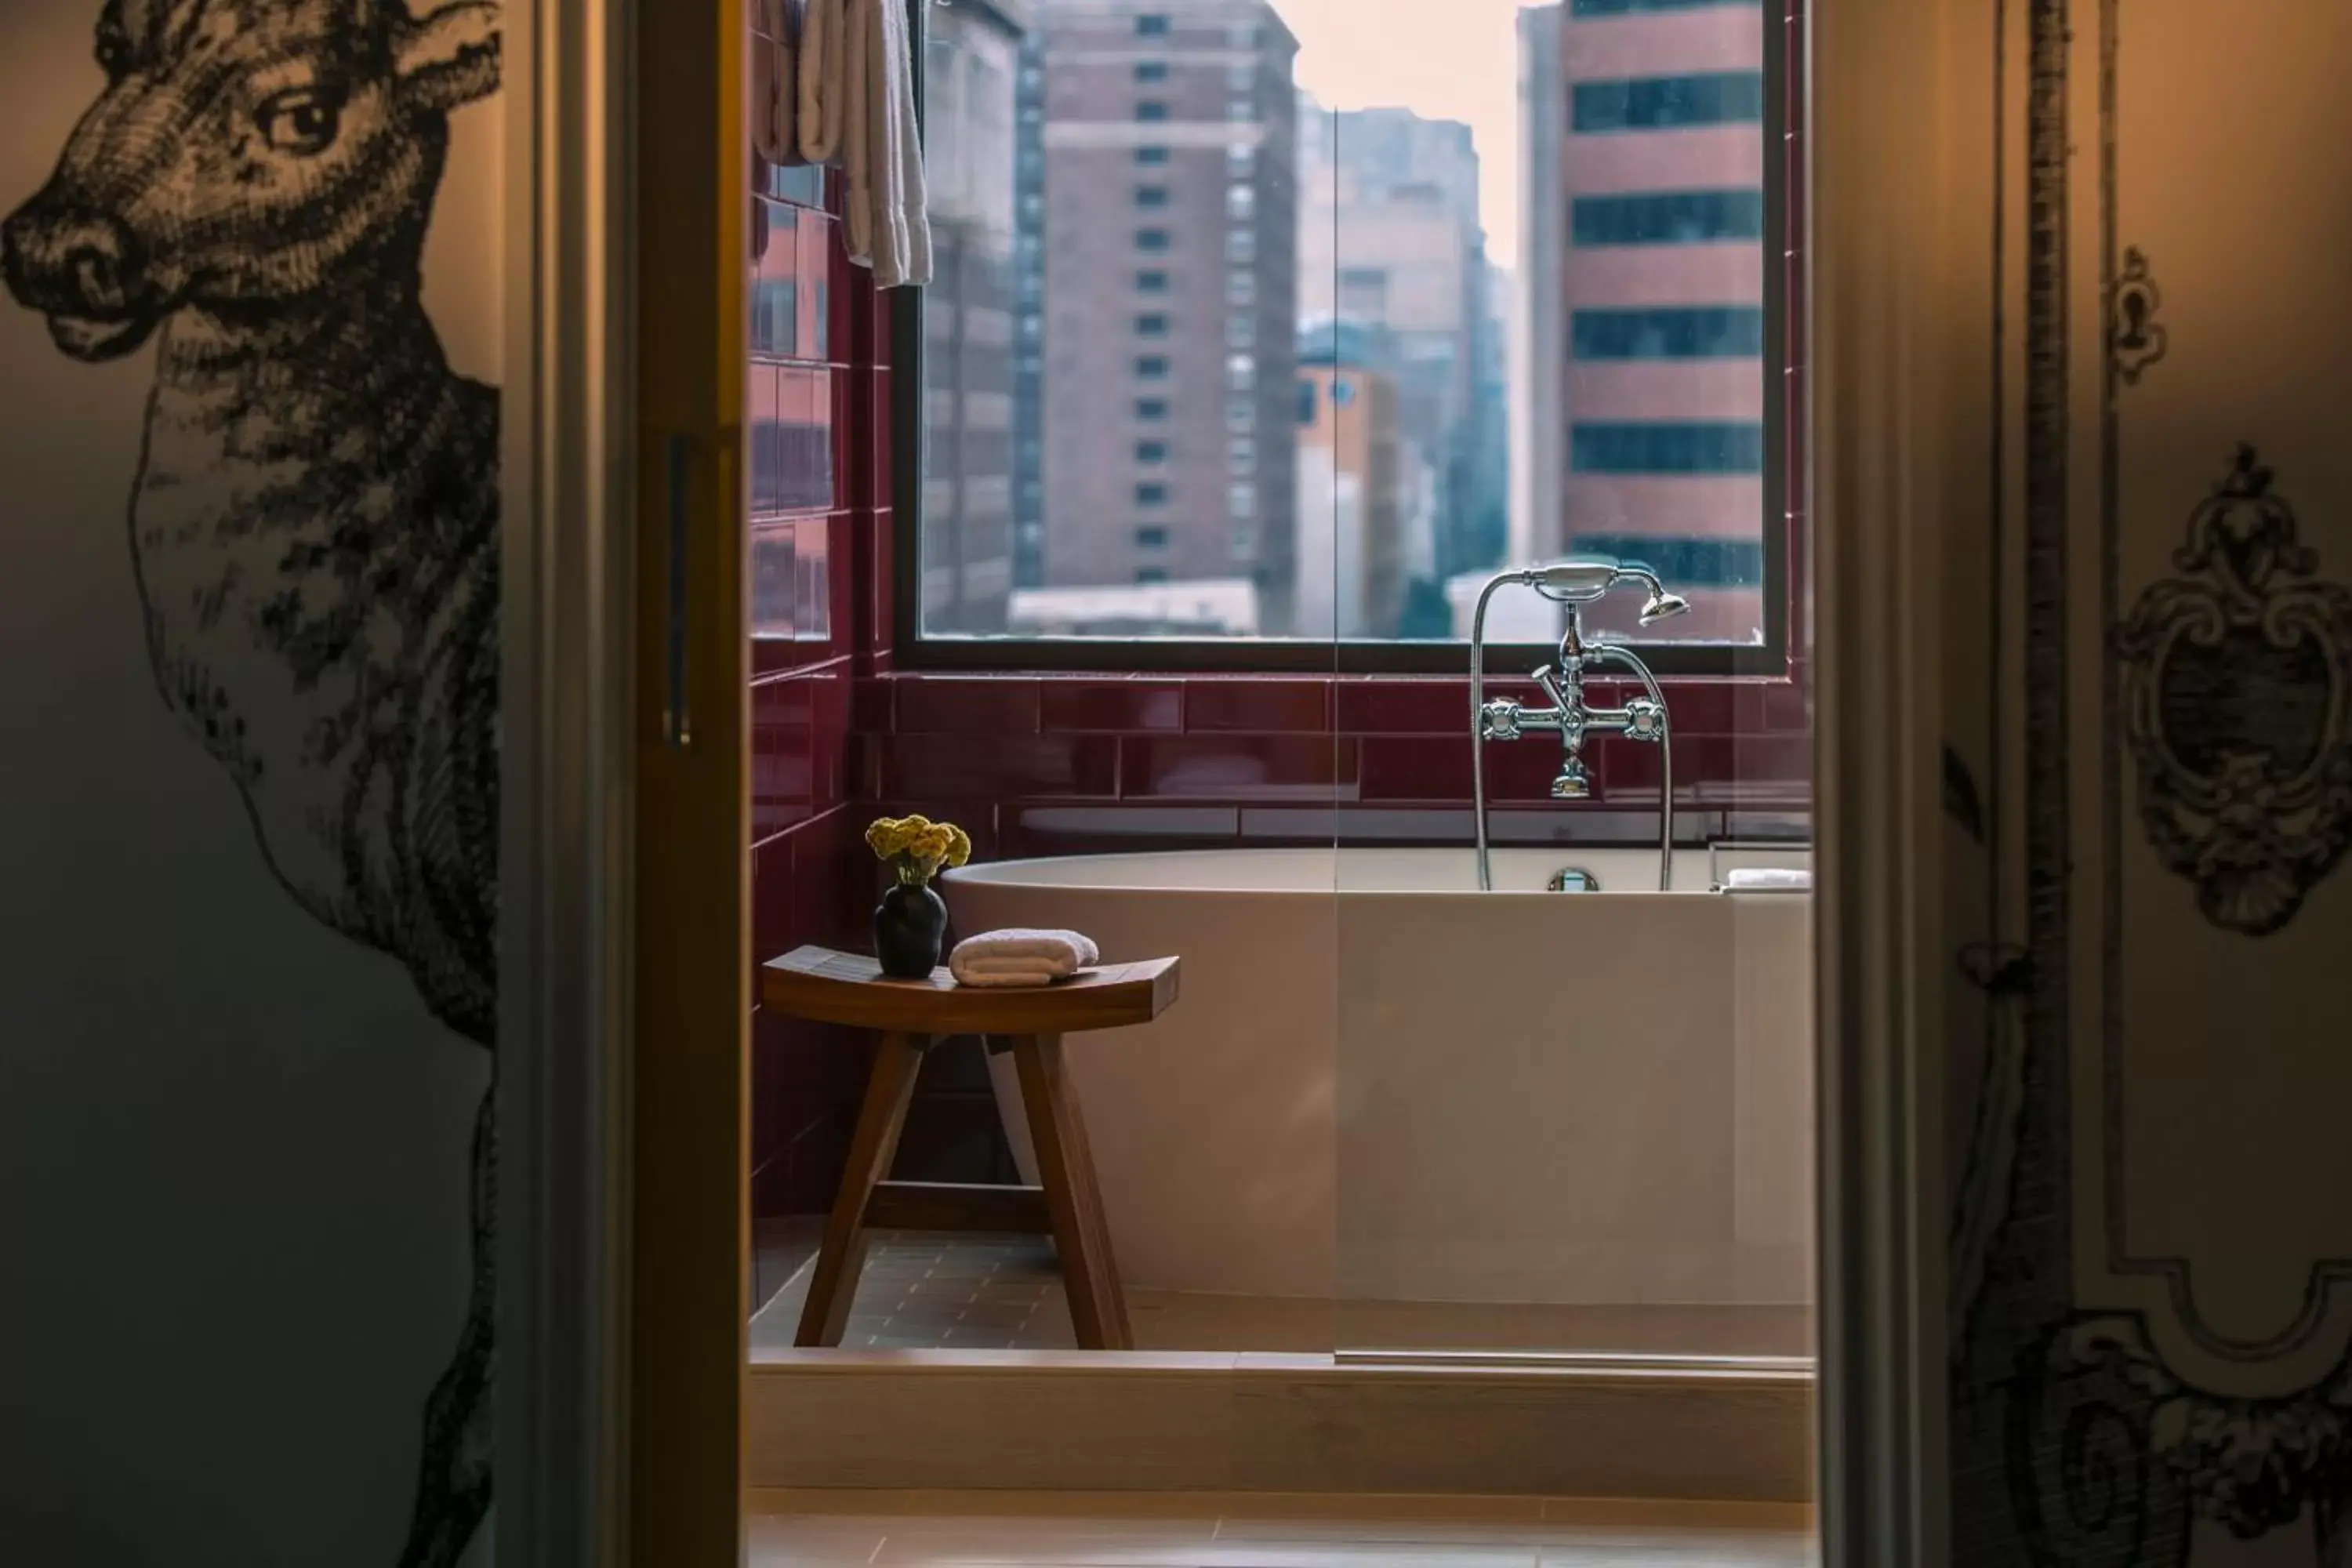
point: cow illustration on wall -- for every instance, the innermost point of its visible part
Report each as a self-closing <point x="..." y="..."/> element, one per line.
<point x="314" y="524"/>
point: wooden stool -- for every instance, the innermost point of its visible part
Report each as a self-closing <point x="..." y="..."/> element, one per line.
<point x="828" y="987"/>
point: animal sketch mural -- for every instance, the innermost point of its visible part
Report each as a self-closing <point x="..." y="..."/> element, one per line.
<point x="314" y="524"/>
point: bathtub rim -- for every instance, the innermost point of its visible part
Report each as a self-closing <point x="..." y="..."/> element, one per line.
<point x="993" y="874"/>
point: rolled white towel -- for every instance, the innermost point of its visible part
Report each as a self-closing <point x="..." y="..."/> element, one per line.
<point x="1768" y="879"/>
<point x="1017" y="958"/>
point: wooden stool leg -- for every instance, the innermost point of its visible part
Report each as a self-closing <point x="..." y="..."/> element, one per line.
<point x="890" y="1089"/>
<point x="1065" y="1167"/>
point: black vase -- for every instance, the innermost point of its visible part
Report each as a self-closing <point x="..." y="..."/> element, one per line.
<point x="907" y="931"/>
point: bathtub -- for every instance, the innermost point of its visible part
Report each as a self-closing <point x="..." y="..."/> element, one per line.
<point x="1382" y="1085"/>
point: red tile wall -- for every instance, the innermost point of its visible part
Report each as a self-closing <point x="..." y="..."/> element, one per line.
<point x="817" y="392"/>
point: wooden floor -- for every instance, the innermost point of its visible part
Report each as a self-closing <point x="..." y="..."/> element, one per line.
<point x="998" y="1529"/>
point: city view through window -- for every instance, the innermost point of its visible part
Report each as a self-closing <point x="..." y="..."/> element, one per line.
<point x="1297" y="318"/>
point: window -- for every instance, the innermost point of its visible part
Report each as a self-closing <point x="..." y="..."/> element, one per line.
<point x="1667" y="446"/>
<point x="1279" y="416"/>
<point x="1686" y="563"/>
<point x="1664" y="102"/>
<point x="1704" y="332"/>
<point x="1668" y="217"/>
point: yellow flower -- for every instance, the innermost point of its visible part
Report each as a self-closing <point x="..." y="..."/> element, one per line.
<point x="892" y="835"/>
<point x="919" y="846"/>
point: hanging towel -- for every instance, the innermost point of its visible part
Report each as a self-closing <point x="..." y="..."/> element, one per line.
<point x="776" y="82"/>
<point x="857" y="110"/>
<point x="887" y="202"/>
<point x="823" y="81"/>
<point x="1021" y="958"/>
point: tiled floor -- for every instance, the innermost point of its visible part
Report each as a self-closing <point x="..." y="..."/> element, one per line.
<point x="1265" y="1531"/>
<point x="932" y="1292"/>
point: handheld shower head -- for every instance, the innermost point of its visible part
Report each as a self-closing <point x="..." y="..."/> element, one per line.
<point x="1664" y="606"/>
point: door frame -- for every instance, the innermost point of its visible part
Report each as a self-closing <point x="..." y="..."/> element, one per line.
<point x="625" y="927"/>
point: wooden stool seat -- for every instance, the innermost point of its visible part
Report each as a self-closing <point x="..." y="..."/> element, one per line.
<point x="823" y="986"/>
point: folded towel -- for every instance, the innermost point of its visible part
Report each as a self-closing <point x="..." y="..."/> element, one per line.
<point x="887" y="206"/>
<point x="1767" y="879"/>
<point x="1019" y="958"/>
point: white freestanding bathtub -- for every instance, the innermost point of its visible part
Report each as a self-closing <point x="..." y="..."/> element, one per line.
<point x="1380" y="1084"/>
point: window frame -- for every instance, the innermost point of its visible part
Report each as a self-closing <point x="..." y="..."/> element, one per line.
<point x="1783" y="518"/>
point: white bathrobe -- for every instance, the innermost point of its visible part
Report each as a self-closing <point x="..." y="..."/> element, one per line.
<point x="857" y="110"/>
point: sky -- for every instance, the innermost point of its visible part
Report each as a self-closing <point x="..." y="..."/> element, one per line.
<point x="1455" y="60"/>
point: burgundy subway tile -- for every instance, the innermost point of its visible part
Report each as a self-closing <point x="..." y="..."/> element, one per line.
<point x="830" y="900"/>
<point x="1522" y="771"/>
<point x="873" y="705"/>
<point x="1696" y="707"/>
<point x="773" y="900"/>
<point x="818" y="270"/>
<point x="1257" y="706"/>
<point x="1417" y="767"/>
<point x="1773" y="758"/>
<point x="880" y="423"/>
<point x="1239" y="767"/>
<point x="1380" y="707"/>
<point x="1116" y="707"/>
<point x="882" y="610"/>
<point x="953" y="767"/>
<point x="846" y="426"/>
<point x="829" y="738"/>
<point x="1789" y="706"/>
<point x="991" y="705"/>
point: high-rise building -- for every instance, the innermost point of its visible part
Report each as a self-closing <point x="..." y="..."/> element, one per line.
<point x="1638" y="408"/>
<point x="1351" y="441"/>
<point x="969" y="366"/>
<point x="1164" y="288"/>
<point x="1391" y="243"/>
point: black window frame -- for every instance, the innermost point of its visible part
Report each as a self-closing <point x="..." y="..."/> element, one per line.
<point x="1771" y="657"/>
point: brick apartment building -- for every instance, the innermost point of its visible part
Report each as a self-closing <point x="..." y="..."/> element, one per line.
<point x="1638" y="405"/>
<point x="1161" y="286"/>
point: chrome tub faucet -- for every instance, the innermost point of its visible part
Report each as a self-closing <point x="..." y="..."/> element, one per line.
<point x="1573" y="584"/>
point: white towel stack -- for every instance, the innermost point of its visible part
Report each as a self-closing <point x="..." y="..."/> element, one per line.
<point x="1768" y="879"/>
<point x="1021" y="958"/>
<point x="857" y="110"/>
